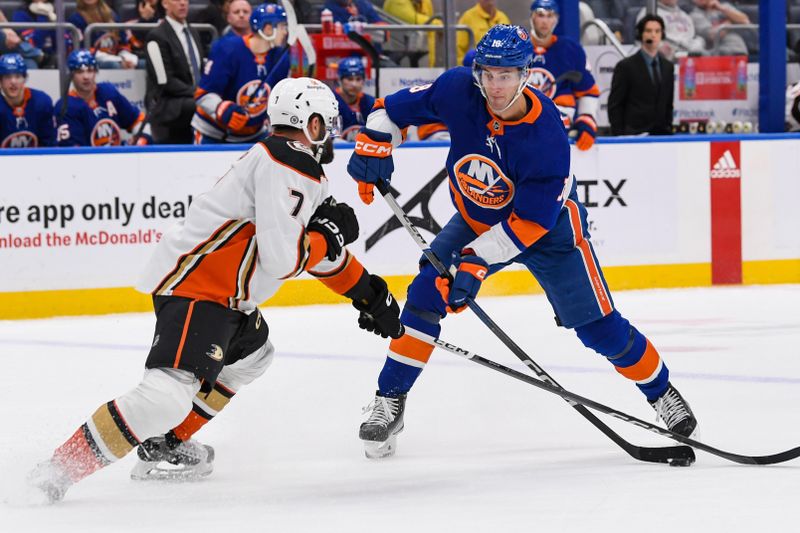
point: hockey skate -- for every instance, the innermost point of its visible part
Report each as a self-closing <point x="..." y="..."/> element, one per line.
<point x="169" y="459"/>
<point x="675" y="412"/>
<point x="379" y="432"/>
<point x="51" y="480"/>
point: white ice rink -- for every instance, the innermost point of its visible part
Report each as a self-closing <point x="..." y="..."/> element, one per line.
<point x="480" y="452"/>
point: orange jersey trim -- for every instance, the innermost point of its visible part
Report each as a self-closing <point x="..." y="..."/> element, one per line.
<point x="184" y="333"/>
<point x="426" y="130"/>
<point x="594" y="90"/>
<point x="346" y="278"/>
<point x="565" y="100"/>
<point x="281" y="163"/>
<point x="497" y="125"/>
<point x="477" y="227"/>
<point x="317" y="248"/>
<point x="527" y="231"/>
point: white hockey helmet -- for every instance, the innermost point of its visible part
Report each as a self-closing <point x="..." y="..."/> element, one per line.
<point x="293" y="101"/>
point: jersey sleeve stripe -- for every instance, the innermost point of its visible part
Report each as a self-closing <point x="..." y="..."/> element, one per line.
<point x="347" y="278"/>
<point x="523" y="232"/>
<point x="566" y="100"/>
<point x="594" y="90"/>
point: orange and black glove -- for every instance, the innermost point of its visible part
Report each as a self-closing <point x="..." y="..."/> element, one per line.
<point x="586" y="127"/>
<point x="233" y="116"/>
<point x="471" y="270"/>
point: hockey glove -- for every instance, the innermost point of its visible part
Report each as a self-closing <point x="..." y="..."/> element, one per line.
<point x="381" y="315"/>
<point x="337" y="223"/>
<point x="233" y="116"/>
<point x="371" y="161"/>
<point x="144" y="140"/>
<point x="470" y="272"/>
<point x="587" y="132"/>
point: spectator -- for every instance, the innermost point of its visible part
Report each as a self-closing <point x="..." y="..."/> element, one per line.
<point x="96" y="113"/>
<point x="148" y="11"/>
<point x="642" y="86"/>
<point x="111" y="48"/>
<point x="173" y="71"/>
<point x="345" y="11"/>
<point x="26" y="115"/>
<point x="415" y="12"/>
<point x="239" y="12"/>
<point x="710" y="18"/>
<point x="10" y="42"/>
<point x="354" y="104"/>
<point x="480" y="17"/>
<point x="793" y="108"/>
<point x="680" y="32"/>
<point x="45" y="40"/>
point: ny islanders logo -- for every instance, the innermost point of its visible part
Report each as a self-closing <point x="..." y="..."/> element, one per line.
<point x="106" y="133"/>
<point x="253" y="96"/>
<point x="21" y="139"/>
<point x="481" y="180"/>
<point x="542" y="79"/>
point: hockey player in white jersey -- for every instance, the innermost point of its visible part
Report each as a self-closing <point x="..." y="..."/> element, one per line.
<point x="268" y="219"/>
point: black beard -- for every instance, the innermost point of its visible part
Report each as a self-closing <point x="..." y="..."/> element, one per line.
<point x="324" y="152"/>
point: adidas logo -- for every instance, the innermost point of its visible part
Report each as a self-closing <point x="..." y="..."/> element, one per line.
<point x="726" y="167"/>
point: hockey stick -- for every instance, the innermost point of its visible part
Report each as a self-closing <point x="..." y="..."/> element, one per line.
<point x="298" y="32"/>
<point x="681" y="454"/>
<point x="573" y="399"/>
<point x="374" y="57"/>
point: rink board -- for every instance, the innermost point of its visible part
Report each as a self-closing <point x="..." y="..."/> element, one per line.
<point x="77" y="225"/>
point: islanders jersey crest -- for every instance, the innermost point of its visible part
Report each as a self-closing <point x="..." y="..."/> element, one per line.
<point x="543" y="80"/>
<point x="21" y="139"/>
<point x="253" y="96"/>
<point x="481" y="180"/>
<point x="106" y="132"/>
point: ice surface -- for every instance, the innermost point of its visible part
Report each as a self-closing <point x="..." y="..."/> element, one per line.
<point x="480" y="452"/>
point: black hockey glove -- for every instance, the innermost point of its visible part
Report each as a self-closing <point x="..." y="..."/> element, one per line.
<point x="380" y="315"/>
<point x="337" y="223"/>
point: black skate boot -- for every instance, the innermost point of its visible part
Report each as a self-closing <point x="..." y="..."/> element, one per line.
<point x="379" y="432"/>
<point x="169" y="458"/>
<point x="675" y="412"/>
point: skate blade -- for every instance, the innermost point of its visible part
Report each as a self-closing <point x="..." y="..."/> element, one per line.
<point x="380" y="449"/>
<point x="150" y="471"/>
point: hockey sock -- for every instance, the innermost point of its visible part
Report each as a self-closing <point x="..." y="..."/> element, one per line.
<point x="205" y="406"/>
<point x="103" y="439"/>
<point x="407" y="355"/>
<point x="629" y="351"/>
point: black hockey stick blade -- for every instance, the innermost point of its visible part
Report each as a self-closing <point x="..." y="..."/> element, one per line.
<point x="653" y="455"/>
<point x="374" y="57"/>
<point x="571" y="397"/>
<point x="573" y="76"/>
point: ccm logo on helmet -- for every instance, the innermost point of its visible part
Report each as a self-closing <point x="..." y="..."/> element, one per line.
<point x="380" y="150"/>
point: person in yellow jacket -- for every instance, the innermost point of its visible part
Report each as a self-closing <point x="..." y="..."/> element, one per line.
<point x="480" y="17"/>
<point x="415" y="12"/>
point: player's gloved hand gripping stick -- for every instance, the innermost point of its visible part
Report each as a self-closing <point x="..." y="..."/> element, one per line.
<point x="673" y="455"/>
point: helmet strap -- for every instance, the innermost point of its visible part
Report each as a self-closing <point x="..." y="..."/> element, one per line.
<point x="476" y="75"/>
<point x="269" y="38"/>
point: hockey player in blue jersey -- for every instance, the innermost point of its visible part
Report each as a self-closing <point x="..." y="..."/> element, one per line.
<point x="508" y="169"/>
<point x="233" y="92"/>
<point x="555" y="56"/>
<point x="26" y="115"/>
<point x="96" y="113"/>
<point x="354" y="103"/>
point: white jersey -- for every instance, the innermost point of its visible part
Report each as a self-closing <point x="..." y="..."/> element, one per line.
<point x="244" y="237"/>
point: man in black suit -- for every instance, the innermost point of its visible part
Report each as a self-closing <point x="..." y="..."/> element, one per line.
<point x="643" y="85"/>
<point x="174" y="66"/>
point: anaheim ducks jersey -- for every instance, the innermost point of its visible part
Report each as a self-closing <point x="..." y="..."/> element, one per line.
<point x="99" y="122"/>
<point x="354" y="116"/>
<point x="245" y="236"/>
<point x="550" y="62"/>
<point x="30" y="124"/>
<point x="509" y="180"/>
<point x="234" y="73"/>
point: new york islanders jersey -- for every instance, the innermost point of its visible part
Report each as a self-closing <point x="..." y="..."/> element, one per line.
<point x="234" y="73"/>
<point x="29" y="125"/>
<point x="508" y="180"/>
<point x="353" y="116"/>
<point x="245" y="236"/>
<point x="99" y="122"/>
<point x="564" y="55"/>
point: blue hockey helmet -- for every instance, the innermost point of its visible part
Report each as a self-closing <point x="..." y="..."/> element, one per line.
<point x="350" y="66"/>
<point x="80" y="60"/>
<point x="469" y="58"/>
<point x="503" y="46"/>
<point x="547" y="5"/>
<point x="266" y="14"/>
<point x="12" y="64"/>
